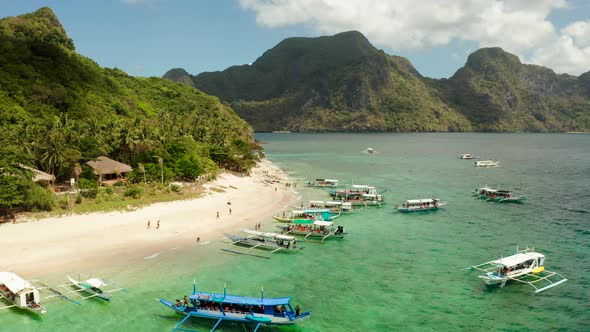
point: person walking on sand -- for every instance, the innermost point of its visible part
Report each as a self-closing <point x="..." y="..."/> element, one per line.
<point x="149" y="224"/>
<point x="217" y="215"/>
<point x="229" y="210"/>
<point x="158" y="226"/>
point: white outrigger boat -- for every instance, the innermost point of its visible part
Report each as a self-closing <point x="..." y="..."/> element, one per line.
<point x="497" y="195"/>
<point x="330" y="183"/>
<point x="370" y="150"/>
<point x="20" y="293"/>
<point x="266" y="241"/>
<point x="306" y="214"/>
<point x="467" y="156"/>
<point x="421" y="205"/>
<point x="359" y="195"/>
<point x="335" y="207"/>
<point x="318" y="229"/>
<point x="486" y="163"/>
<point x="525" y="266"/>
<point x="96" y="287"/>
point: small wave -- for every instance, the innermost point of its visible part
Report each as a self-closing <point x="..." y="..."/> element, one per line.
<point x="152" y="256"/>
<point x="579" y="211"/>
<point x="204" y="243"/>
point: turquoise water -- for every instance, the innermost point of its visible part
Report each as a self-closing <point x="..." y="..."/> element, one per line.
<point x="395" y="271"/>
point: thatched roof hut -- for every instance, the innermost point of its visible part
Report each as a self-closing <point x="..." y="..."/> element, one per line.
<point x="39" y="176"/>
<point x="104" y="166"/>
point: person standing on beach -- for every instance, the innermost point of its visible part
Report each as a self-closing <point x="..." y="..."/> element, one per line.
<point x="149" y="225"/>
<point x="217" y="215"/>
<point x="158" y="226"/>
<point x="229" y="210"/>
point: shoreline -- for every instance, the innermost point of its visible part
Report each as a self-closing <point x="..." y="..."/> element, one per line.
<point x="103" y="239"/>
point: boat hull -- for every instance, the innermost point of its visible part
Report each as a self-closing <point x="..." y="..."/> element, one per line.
<point x="492" y="279"/>
<point x="314" y="235"/>
<point x="406" y="210"/>
<point x="235" y="317"/>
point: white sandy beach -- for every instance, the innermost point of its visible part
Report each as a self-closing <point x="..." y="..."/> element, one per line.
<point x="70" y="242"/>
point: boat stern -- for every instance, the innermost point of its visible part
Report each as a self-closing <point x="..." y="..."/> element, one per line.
<point x="493" y="278"/>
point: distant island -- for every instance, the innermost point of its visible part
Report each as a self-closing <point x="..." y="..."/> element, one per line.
<point x="343" y="83"/>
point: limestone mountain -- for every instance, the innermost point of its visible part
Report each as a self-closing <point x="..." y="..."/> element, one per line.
<point x="336" y="83"/>
<point x="343" y="83"/>
<point x="499" y="93"/>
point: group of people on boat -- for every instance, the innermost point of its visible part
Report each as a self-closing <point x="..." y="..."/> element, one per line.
<point x="233" y="307"/>
<point x="9" y="294"/>
<point x="422" y="205"/>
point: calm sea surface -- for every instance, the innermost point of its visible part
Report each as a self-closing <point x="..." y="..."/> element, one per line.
<point x="394" y="271"/>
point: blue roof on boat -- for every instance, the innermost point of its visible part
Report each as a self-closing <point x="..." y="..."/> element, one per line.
<point x="237" y="299"/>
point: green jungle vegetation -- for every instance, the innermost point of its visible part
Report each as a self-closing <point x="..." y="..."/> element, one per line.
<point x="59" y="109"/>
<point x="343" y="83"/>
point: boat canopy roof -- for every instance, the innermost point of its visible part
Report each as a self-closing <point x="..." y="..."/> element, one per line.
<point x="312" y="211"/>
<point x="488" y="189"/>
<point x="361" y="186"/>
<point x="517" y="259"/>
<point x="420" y="201"/>
<point x="327" y="180"/>
<point x="95" y="282"/>
<point x="236" y="299"/>
<point x="285" y="237"/>
<point x="269" y="234"/>
<point x="13" y="282"/>
<point x="323" y="223"/>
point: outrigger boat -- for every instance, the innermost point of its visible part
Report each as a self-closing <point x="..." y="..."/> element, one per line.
<point x="335" y="207"/>
<point x="20" y="293"/>
<point x="236" y="308"/>
<point x="323" y="183"/>
<point x="267" y="241"/>
<point x="421" y="205"/>
<point x="486" y="163"/>
<point x="306" y="214"/>
<point x="317" y="229"/>
<point x="467" y="156"/>
<point x="370" y="150"/>
<point x="96" y="287"/>
<point x="525" y="266"/>
<point x="497" y="195"/>
<point x="358" y="195"/>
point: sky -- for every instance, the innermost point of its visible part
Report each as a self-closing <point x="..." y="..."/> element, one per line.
<point x="149" y="37"/>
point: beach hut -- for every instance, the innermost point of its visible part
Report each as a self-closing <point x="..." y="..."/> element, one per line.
<point x="109" y="171"/>
<point x="40" y="176"/>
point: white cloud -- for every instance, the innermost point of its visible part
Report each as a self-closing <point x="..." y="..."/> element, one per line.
<point x="570" y="52"/>
<point x="519" y="26"/>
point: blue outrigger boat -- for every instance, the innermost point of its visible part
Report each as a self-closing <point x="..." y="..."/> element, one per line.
<point x="235" y="308"/>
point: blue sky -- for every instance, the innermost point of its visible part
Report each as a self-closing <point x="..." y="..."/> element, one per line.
<point x="149" y="37"/>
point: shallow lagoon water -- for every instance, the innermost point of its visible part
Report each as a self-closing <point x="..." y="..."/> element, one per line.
<point x="394" y="271"/>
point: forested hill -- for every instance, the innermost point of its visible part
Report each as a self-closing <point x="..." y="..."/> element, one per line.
<point x="343" y="83"/>
<point x="59" y="109"/>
